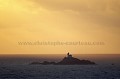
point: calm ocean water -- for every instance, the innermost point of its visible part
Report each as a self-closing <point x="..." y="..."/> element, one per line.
<point x="17" y="67"/>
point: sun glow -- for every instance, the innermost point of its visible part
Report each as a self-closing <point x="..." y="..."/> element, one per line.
<point x="64" y="21"/>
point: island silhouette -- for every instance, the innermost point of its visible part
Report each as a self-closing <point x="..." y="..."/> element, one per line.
<point x="68" y="60"/>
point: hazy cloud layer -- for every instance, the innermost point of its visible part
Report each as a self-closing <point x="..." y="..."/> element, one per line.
<point x="108" y="6"/>
<point x="66" y="20"/>
<point x="103" y="12"/>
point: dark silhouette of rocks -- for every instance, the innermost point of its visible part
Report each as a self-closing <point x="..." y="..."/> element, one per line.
<point x="35" y="63"/>
<point x="112" y="64"/>
<point x="43" y="63"/>
<point x="69" y="60"/>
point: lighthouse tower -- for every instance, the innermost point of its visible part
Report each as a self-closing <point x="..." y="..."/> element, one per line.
<point x="69" y="55"/>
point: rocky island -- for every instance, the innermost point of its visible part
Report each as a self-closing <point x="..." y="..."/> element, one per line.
<point x="68" y="60"/>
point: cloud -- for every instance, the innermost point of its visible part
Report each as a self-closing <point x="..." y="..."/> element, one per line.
<point x="94" y="20"/>
<point x="15" y="13"/>
<point x="109" y="6"/>
<point x="101" y="12"/>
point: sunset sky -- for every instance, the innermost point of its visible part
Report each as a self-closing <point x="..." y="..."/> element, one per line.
<point x="59" y="20"/>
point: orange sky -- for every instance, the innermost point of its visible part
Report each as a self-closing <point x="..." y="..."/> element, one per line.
<point x="59" y="20"/>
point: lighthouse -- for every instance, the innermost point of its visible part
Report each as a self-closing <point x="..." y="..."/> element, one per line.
<point x="69" y="55"/>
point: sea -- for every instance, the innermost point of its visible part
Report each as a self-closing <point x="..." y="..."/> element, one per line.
<point x="17" y="66"/>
